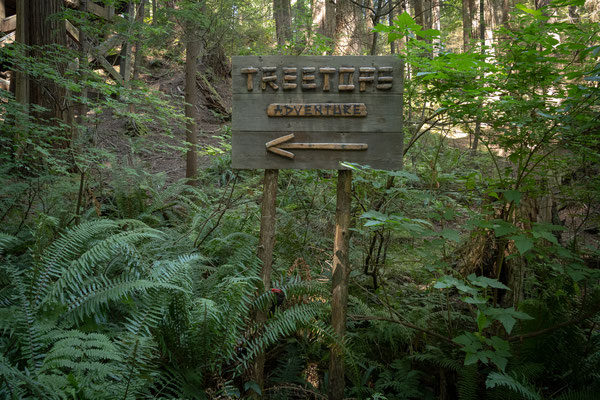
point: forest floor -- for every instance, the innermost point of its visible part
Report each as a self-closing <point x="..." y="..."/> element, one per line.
<point x="155" y="148"/>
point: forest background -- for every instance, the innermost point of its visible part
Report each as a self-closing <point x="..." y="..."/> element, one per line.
<point x="128" y="246"/>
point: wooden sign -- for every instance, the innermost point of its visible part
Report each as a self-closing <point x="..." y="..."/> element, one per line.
<point x="315" y="112"/>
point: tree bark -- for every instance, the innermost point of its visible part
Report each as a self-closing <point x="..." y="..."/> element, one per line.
<point x="126" y="49"/>
<point x="154" y="10"/>
<point x="139" y="18"/>
<point x="482" y="50"/>
<point x="191" y="98"/>
<point x="345" y="29"/>
<point x="339" y="281"/>
<point x="2" y="9"/>
<point x="44" y="30"/>
<point x="436" y="20"/>
<point x="467" y="24"/>
<point x="283" y="21"/>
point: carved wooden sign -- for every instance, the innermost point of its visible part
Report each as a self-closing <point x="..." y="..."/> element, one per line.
<point x="315" y="112"/>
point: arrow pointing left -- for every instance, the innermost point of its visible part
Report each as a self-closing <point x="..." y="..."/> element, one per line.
<point x="278" y="145"/>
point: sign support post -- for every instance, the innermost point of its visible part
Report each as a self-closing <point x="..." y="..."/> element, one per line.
<point x="316" y="112"/>
<point x="266" y="243"/>
<point x="339" y="280"/>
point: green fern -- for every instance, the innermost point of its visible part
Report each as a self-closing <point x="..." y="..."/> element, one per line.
<point x="500" y="379"/>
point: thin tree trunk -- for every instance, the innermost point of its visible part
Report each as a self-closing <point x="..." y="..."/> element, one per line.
<point x="482" y="50"/>
<point x="22" y="36"/>
<point x="283" y="21"/>
<point x="436" y="17"/>
<point x="126" y="49"/>
<point x="2" y="9"/>
<point x="138" y="56"/>
<point x="154" y="10"/>
<point x="339" y="281"/>
<point x="191" y="98"/>
<point x="376" y="17"/>
<point x="467" y="24"/>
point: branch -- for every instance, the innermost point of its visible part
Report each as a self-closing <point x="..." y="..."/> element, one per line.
<point x="406" y="324"/>
<point x="573" y="321"/>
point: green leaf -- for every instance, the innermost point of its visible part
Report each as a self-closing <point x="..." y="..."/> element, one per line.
<point x="484" y="282"/>
<point x="450" y="234"/>
<point x="482" y="321"/>
<point x="523" y="243"/>
<point x="254" y="386"/>
<point x="512" y="195"/>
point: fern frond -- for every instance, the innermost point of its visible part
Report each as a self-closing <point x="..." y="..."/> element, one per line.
<point x="97" y="293"/>
<point x="79" y="269"/>
<point x="499" y="379"/>
<point x="60" y="254"/>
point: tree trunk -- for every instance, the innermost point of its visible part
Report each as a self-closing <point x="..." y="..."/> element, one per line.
<point x="302" y="28"/>
<point x="482" y="50"/>
<point x="191" y="98"/>
<point x="126" y="49"/>
<point x="139" y="18"/>
<point x="418" y="12"/>
<point x="44" y="30"/>
<point x="2" y="9"/>
<point x="436" y="20"/>
<point x="154" y="10"/>
<point x="345" y="29"/>
<point x="467" y="24"/>
<point x="283" y="21"/>
<point x="376" y="18"/>
<point x="339" y="281"/>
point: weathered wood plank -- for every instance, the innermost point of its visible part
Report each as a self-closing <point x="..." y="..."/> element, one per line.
<point x="72" y="31"/>
<point x="250" y="113"/>
<point x="317" y="110"/>
<point x="9" y="24"/>
<point x="110" y="69"/>
<point x="384" y="151"/>
<point x="323" y="74"/>
<point x="7" y="39"/>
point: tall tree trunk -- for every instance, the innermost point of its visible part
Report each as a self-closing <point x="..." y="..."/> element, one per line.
<point x="139" y="18"/>
<point x="126" y="49"/>
<point x="482" y="50"/>
<point x="22" y="36"/>
<point x="154" y="11"/>
<point x="283" y="21"/>
<point x="192" y="53"/>
<point x="44" y="30"/>
<point x="418" y="12"/>
<point x="302" y="27"/>
<point x="436" y="23"/>
<point x="467" y="24"/>
<point x="345" y="28"/>
<point x="376" y="18"/>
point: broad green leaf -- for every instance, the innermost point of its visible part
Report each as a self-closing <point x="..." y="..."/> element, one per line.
<point x="512" y="195"/>
<point x="523" y="243"/>
<point x="450" y="234"/>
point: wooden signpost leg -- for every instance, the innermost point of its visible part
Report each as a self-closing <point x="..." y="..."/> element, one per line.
<point x="265" y="253"/>
<point x="339" y="280"/>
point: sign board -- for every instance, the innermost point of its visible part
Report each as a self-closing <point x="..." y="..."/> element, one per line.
<point x="318" y="111"/>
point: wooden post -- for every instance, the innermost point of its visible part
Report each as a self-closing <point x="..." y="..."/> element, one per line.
<point x="266" y="243"/>
<point x="2" y="9"/>
<point x="339" y="280"/>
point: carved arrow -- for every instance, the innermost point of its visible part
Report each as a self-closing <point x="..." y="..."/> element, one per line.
<point x="278" y="145"/>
